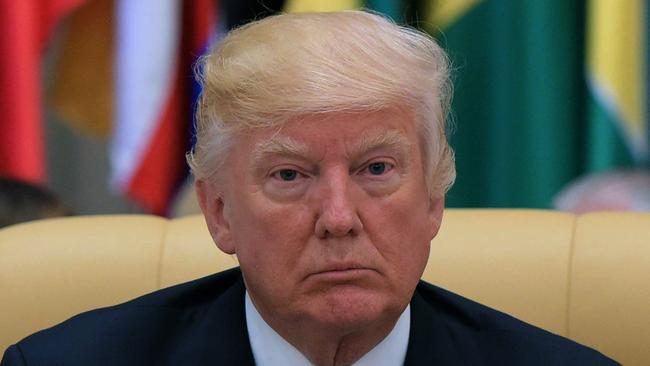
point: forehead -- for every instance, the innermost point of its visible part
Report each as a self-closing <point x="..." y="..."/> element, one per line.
<point x="356" y="132"/>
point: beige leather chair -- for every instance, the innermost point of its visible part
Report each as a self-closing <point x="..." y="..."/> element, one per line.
<point x="585" y="277"/>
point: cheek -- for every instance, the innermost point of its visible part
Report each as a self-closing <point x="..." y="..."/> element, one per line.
<point x="269" y="244"/>
<point x="271" y="237"/>
<point x="401" y="231"/>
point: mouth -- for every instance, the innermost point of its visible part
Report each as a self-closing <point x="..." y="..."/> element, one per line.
<point x="342" y="272"/>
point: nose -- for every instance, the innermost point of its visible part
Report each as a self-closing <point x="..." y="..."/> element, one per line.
<point x="338" y="215"/>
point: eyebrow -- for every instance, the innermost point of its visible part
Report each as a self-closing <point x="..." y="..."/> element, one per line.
<point x="284" y="145"/>
<point x="389" y="138"/>
<point x="280" y="145"/>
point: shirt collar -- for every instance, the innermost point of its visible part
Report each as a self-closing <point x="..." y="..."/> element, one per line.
<point x="269" y="348"/>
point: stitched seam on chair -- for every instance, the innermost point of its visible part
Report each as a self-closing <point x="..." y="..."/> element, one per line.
<point x="572" y="248"/>
<point x="161" y="254"/>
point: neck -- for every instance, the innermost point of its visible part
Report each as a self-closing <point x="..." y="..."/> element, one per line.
<point x="332" y="344"/>
<point x="334" y="347"/>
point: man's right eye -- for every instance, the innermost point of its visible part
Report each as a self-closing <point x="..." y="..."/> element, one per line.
<point x="287" y="175"/>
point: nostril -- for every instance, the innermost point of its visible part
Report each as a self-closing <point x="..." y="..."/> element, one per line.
<point x="329" y="225"/>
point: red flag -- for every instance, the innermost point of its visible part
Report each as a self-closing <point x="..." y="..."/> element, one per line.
<point x="149" y="162"/>
<point x="25" y="28"/>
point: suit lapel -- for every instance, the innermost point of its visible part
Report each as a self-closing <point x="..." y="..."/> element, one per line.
<point x="430" y="342"/>
<point x="226" y="341"/>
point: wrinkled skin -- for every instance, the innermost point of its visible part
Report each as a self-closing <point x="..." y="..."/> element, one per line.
<point x="331" y="221"/>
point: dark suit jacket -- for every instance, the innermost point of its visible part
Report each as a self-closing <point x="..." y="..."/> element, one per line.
<point x="203" y="323"/>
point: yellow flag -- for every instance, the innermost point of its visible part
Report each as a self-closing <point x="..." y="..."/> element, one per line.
<point x="82" y="89"/>
<point x="615" y="59"/>
<point x="301" y="6"/>
<point x="442" y="13"/>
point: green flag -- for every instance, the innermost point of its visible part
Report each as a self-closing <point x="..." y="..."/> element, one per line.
<point x="616" y="76"/>
<point x="526" y="122"/>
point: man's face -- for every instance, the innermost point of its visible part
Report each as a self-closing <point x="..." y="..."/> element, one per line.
<point x="329" y="217"/>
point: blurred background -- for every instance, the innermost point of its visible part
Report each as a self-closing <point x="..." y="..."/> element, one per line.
<point x="550" y="107"/>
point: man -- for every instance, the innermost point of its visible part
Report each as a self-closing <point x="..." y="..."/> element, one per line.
<point x="322" y="163"/>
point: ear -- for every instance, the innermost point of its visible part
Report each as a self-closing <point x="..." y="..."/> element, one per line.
<point x="436" y="208"/>
<point x="212" y="204"/>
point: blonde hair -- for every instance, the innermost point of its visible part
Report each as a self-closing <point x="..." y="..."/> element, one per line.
<point x="290" y="65"/>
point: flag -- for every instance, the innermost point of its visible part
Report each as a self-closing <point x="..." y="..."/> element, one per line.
<point x="25" y="29"/>
<point x="616" y="111"/>
<point x="616" y="69"/>
<point x="442" y="14"/>
<point x="298" y="6"/>
<point x="524" y="123"/>
<point x="125" y="75"/>
<point x="157" y="41"/>
<point x="82" y="88"/>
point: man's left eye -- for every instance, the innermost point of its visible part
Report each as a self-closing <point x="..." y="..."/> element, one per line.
<point x="287" y="175"/>
<point x="378" y="168"/>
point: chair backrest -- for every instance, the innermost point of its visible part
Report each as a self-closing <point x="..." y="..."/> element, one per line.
<point x="584" y="277"/>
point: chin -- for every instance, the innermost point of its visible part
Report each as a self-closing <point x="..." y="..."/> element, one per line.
<point x="350" y="308"/>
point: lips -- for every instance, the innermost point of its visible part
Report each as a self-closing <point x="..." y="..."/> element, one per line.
<point x="341" y="266"/>
<point x="342" y="272"/>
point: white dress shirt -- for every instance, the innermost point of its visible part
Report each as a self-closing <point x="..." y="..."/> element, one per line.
<point x="270" y="349"/>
